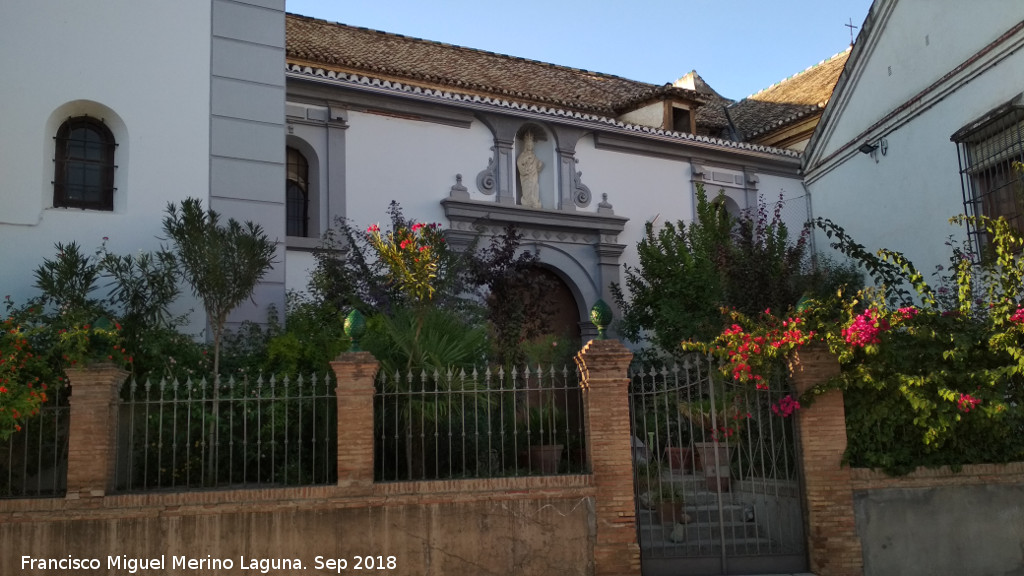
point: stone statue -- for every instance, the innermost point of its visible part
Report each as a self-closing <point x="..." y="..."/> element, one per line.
<point x="529" y="173"/>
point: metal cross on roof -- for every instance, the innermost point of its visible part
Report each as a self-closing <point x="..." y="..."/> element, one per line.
<point x="852" y="28"/>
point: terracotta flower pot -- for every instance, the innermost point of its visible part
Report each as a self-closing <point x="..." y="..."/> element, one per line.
<point x="682" y="460"/>
<point x="716" y="458"/>
<point x="545" y="458"/>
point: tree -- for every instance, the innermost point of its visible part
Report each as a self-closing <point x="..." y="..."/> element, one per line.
<point x="223" y="264"/>
<point x="689" y="272"/>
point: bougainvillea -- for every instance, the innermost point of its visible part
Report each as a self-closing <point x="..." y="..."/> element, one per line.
<point x="22" y="389"/>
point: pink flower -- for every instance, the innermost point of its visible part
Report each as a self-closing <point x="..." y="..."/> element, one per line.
<point x="786" y="406"/>
<point x="966" y="402"/>
<point x="865" y="329"/>
<point x="373" y="228"/>
<point x="907" y="313"/>
<point x="404" y="244"/>
<point x="416" y="227"/>
<point x="1018" y="316"/>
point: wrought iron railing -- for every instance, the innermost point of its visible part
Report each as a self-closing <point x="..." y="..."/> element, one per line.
<point x="478" y="424"/>
<point x="33" y="461"/>
<point x="715" y="467"/>
<point x="262" y="431"/>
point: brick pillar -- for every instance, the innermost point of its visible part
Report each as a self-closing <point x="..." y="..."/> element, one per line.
<point x="92" y="429"/>
<point x="832" y="542"/>
<point x="604" y="364"/>
<point x="355" y="372"/>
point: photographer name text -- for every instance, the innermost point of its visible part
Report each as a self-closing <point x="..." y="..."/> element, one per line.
<point x="132" y="565"/>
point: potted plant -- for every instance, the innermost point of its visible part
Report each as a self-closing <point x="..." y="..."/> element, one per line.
<point x="663" y="432"/>
<point x="546" y="432"/>
<point x="666" y="499"/>
<point x="722" y="415"/>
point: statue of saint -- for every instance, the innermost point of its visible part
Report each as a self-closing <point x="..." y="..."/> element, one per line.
<point x="529" y="173"/>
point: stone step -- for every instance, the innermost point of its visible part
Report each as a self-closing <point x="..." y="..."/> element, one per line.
<point x="710" y="512"/>
<point x="708" y="547"/>
<point x="702" y="531"/>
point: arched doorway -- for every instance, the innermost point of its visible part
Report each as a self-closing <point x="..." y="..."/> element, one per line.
<point x="561" y="317"/>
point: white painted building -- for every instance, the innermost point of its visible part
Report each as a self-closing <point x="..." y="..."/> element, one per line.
<point x="234" y="102"/>
<point x="931" y="90"/>
<point x="189" y="97"/>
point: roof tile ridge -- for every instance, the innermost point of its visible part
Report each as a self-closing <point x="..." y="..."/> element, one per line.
<point x="588" y="116"/>
<point x="797" y="74"/>
<point x="473" y="50"/>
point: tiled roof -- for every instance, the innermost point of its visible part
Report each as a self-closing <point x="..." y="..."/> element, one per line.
<point x="711" y="118"/>
<point x="343" y="48"/>
<point x="790" y="100"/>
<point x="356" y="79"/>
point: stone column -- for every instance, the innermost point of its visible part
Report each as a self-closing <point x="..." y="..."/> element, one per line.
<point x="355" y="372"/>
<point x="833" y="545"/>
<point x="92" y="430"/>
<point x="603" y="365"/>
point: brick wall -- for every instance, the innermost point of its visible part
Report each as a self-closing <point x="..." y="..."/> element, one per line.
<point x="579" y="524"/>
<point x="604" y="365"/>
<point x="833" y="546"/>
<point x="527" y="526"/>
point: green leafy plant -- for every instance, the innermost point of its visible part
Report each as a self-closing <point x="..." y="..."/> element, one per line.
<point x="83" y="345"/>
<point x="931" y="376"/>
<point x="547" y="423"/>
<point x="23" y="377"/>
<point x="689" y="273"/>
<point x="222" y="263"/>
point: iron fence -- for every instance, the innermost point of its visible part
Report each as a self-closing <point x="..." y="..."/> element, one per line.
<point x="240" y="432"/>
<point x="34" y="460"/>
<point x="715" y="468"/>
<point x="478" y="424"/>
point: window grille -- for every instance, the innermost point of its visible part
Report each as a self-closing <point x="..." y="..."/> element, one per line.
<point x="84" y="165"/>
<point x="987" y="151"/>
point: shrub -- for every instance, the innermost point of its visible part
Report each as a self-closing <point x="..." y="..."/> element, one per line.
<point x="689" y="272"/>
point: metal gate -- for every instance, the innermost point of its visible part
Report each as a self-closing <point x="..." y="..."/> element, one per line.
<point x="715" y="472"/>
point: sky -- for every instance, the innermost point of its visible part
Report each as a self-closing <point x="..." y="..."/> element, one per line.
<point x="739" y="47"/>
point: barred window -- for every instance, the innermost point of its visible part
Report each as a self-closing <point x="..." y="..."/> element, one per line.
<point x="988" y="149"/>
<point x="84" y="165"/>
<point x="297" y="193"/>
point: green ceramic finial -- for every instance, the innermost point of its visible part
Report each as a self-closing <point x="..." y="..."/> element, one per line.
<point x="601" y="317"/>
<point x="804" y="303"/>
<point x="355" y="327"/>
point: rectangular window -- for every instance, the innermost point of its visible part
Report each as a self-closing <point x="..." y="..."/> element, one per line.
<point x="988" y="149"/>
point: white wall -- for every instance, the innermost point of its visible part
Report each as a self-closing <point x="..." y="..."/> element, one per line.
<point x="142" y="66"/>
<point x="904" y="201"/>
<point x="650" y="115"/>
<point x="641" y="188"/>
<point x="921" y="41"/>
<point x="412" y="162"/>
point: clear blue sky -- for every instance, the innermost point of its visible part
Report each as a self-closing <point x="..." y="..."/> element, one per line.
<point x="738" y="46"/>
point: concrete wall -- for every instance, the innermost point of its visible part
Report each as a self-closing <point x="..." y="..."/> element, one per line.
<point x="525" y="528"/>
<point x="937" y="522"/>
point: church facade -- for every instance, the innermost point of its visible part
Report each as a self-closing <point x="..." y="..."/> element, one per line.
<point x="294" y="122"/>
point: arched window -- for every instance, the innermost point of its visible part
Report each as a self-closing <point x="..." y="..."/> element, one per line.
<point x="297" y="193"/>
<point x="84" y="165"/>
